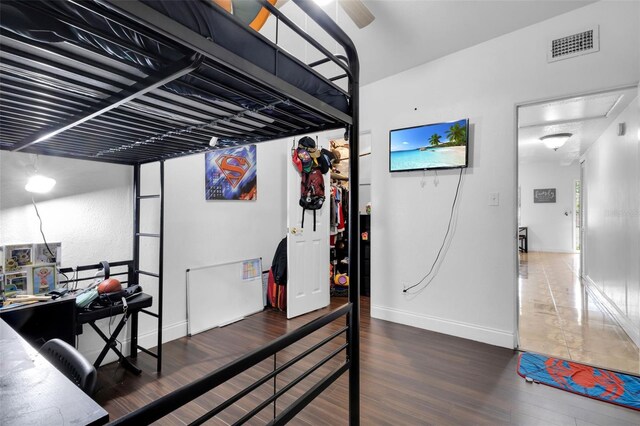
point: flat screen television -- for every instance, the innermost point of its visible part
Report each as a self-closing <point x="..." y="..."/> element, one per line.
<point x="430" y="146"/>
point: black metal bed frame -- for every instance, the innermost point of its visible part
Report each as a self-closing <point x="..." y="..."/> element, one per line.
<point x="78" y="102"/>
<point x="74" y="103"/>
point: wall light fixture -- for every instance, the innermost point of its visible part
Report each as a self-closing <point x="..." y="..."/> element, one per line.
<point x="40" y="184"/>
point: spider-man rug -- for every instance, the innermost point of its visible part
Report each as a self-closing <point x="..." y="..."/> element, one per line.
<point x="605" y="385"/>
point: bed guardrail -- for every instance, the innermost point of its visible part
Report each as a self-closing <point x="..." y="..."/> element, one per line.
<point x="340" y="60"/>
<point x="182" y="396"/>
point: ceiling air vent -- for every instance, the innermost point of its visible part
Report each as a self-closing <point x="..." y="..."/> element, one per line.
<point x="582" y="43"/>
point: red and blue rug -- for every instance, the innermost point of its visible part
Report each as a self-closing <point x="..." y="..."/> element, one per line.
<point x="605" y="385"/>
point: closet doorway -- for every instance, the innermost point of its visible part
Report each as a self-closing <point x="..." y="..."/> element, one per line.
<point x="339" y="224"/>
<point x="365" y="213"/>
<point x="339" y="218"/>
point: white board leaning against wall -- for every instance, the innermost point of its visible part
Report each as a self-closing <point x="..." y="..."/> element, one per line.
<point x="220" y="294"/>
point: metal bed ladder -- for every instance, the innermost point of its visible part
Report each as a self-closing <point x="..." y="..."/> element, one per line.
<point x="138" y="198"/>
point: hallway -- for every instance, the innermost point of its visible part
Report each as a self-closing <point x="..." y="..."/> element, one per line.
<point x="559" y="317"/>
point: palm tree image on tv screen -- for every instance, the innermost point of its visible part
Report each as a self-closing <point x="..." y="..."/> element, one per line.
<point x="432" y="146"/>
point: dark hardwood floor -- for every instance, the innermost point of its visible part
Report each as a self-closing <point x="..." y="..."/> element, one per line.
<point x="409" y="376"/>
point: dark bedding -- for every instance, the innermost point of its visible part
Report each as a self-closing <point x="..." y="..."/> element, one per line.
<point x="35" y="23"/>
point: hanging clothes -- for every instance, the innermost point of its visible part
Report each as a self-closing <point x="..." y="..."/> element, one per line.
<point x="279" y="263"/>
<point x="340" y="209"/>
<point x="276" y="285"/>
<point x="333" y="210"/>
<point x="345" y="208"/>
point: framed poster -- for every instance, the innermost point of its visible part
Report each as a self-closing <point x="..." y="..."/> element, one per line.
<point x="43" y="255"/>
<point x="16" y="283"/>
<point x="44" y="278"/>
<point x="545" y="195"/>
<point x="231" y="174"/>
<point x="21" y="255"/>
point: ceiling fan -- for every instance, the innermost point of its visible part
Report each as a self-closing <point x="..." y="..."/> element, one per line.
<point x="355" y="9"/>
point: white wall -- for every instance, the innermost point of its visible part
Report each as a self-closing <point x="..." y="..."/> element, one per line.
<point x="474" y="294"/>
<point x="549" y="229"/>
<point x="200" y="232"/>
<point x="612" y="239"/>
<point x="89" y="211"/>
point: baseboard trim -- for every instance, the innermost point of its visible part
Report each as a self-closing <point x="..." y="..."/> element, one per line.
<point x="474" y="332"/>
<point x="546" y="250"/>
<point x="632" y="330"/>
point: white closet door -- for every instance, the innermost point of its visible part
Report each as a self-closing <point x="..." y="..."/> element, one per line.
<point x="307" y="250"/>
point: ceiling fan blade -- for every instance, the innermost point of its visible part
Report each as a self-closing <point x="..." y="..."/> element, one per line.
<point x="358" y="12"/>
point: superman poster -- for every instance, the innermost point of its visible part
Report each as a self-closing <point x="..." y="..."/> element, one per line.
<point x="231" y="174"/>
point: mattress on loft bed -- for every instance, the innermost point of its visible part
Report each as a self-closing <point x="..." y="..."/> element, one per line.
<point x="209" y="22"/>
<point x="196" y="15"/>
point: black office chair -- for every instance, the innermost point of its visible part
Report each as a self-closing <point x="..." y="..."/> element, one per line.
<point x="71" y="363"/>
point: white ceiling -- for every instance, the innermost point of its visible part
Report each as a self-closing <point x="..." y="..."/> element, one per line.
<point x="407" y="33"/>
<point x="585" y="117"/>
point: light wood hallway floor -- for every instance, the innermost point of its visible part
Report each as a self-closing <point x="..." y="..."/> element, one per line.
<point x="559" y="317"/>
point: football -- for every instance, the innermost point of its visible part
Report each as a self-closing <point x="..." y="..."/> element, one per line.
<point x="110" y="285"/>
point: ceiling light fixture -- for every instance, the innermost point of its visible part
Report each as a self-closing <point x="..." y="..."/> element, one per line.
<point x="40" y="184"/>
<point x="555" y="141"/>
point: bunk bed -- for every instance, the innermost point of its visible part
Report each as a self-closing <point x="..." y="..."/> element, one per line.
<point x="137" y="82"/>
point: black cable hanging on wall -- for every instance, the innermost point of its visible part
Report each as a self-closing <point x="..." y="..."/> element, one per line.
<point x="444" y="240"/>
<point x="51" y="253"/>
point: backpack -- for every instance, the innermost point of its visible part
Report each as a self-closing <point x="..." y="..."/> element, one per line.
<point x="276" y="293"/>
<point x="312" y="193"/>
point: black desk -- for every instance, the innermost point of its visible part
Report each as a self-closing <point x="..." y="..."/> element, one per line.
<point x="35" y="392"/>
<point x="134" y="305"/>
<point x="43" y="321"/>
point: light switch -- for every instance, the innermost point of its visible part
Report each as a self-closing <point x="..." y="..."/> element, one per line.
<point x="494" y="198"/>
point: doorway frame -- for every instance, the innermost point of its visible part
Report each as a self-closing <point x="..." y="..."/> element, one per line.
<point x="516" y="254"/>
<point x="583" y="218"/>
<point x="576" y="217"/>
<point x="339" y="134"/>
